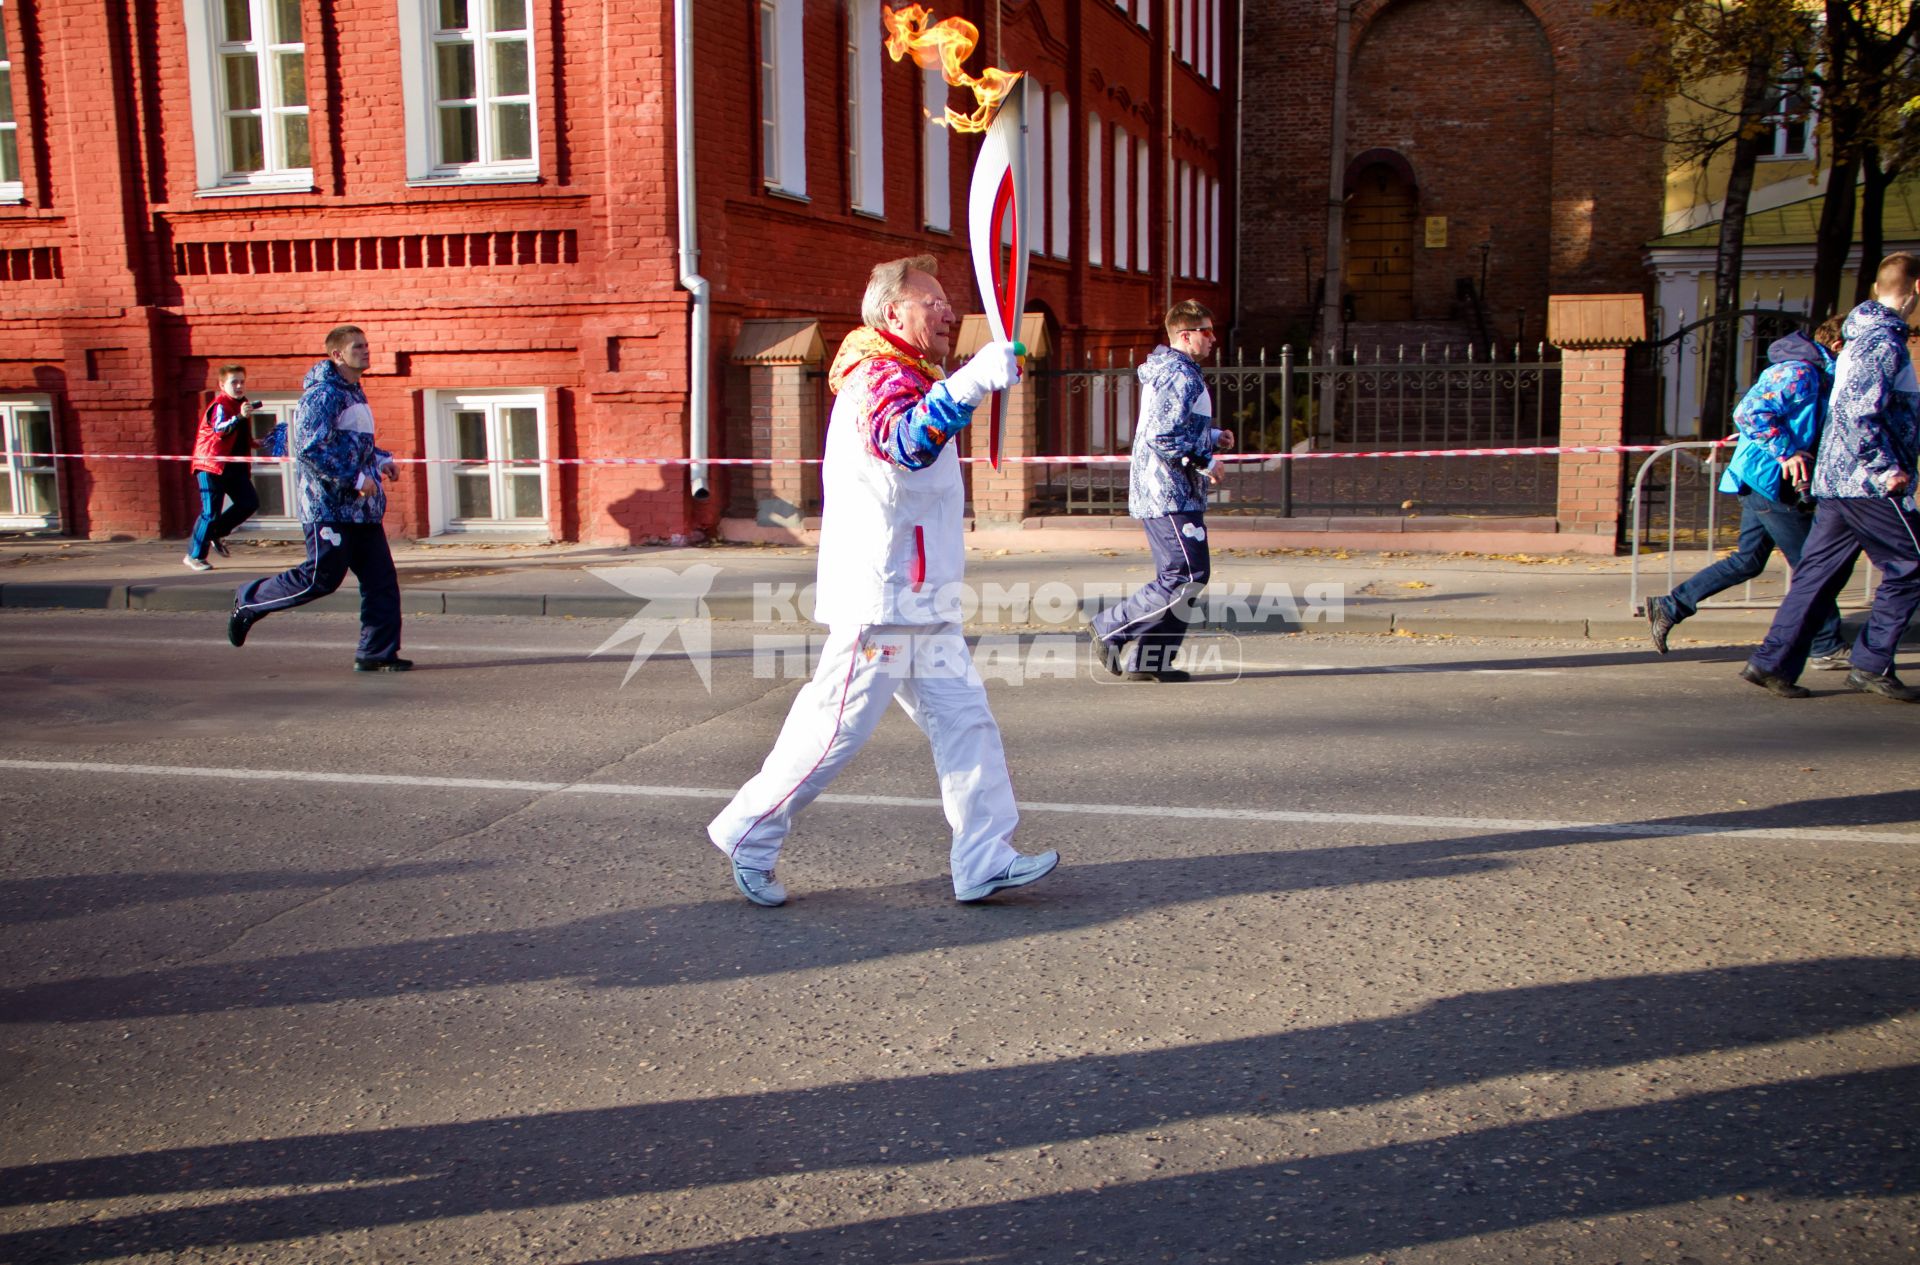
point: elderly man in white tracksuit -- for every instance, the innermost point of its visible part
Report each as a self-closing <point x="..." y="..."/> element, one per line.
<point x="891" y="562"/>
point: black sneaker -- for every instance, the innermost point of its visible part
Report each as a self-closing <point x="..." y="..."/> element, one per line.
<point x="1778" y="686"/>
<point x="237" y="626"/>
<point x="395" y="664"/>
<point x="1840" y="660"/>
<point x="1660" y="622"/>
<point x="220" y="547"/>
<point x="1107" y="656"/>
<point x="1885" y="684"/>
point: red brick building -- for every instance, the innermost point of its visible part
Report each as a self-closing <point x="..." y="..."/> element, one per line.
<point x="1426" y="145"/>
<point x="489" y="188"/>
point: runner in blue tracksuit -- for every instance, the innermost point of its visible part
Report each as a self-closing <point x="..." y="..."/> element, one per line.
<point x="1864" y="484"/>
<point x="1173" y="447"/>
<point x="338" y="479"/>
<point x="1779" y="421"/>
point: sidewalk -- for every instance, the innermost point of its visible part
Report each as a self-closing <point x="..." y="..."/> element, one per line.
<point x="1383" y="592"/>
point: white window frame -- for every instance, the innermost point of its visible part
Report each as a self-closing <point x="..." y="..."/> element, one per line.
<point x="418" y="23"/>
<point x="275" y="407"/>
<point x="18" y="468"/>
<point x="1782" y="120"/>
<point x="866" y="113"/>
<point x="14" y="190"/>
<point x="783" y="111"/>
<point x="1143" y="206"/>
<point x="1122" y="156"/>
<point x="207" y="98"/>
<point x="1059" y="151"/>
<point x="1096" y="235"/>
<point x="442" y="494"/>
<point x="937" y="182"/>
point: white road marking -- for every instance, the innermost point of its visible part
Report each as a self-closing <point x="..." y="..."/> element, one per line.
<point x="1477" y="825"/>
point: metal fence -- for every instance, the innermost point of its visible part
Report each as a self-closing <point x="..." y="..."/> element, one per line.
<point x="1678" y="521"/>
<point x="1399" y="400"/>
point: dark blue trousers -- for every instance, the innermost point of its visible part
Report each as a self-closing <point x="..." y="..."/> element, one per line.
<point x="333" y="549"/>
<point x="1764" y="523"/>
<point x="1842" y="528"/>
<point x="235" y="484"/>
<point x="1155" y="616"/>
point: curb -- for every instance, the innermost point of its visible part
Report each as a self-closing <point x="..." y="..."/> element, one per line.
<point x="740" y="608"/>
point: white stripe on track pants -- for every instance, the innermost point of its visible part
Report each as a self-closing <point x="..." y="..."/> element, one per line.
<point x="929" y="671"/>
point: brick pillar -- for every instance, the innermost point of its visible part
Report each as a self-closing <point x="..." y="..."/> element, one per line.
<point x="786" y="424"/>
<point x="781" y="357"/>
<point x="1006" y="495"/>
<point x="1593" y="333"/>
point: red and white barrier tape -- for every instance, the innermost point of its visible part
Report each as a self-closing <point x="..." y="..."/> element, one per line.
<point x="1107" y="459"/>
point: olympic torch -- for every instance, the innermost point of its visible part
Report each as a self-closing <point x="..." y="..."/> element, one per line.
<point x="998" y="223"/>
<point x="1000" y="228"/>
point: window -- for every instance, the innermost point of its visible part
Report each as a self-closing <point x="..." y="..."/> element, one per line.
<point x="467" y="70"/>
<point x="29" y="490"/>
<point x="11" y="187"/>
<point x="1142" y="206"/>
<point x="1122" y="152"/>
<point x="1036" y="145"/>
<point x="1058" y="117"/>
<point x="866" y="169"/>
<point x="1183" y="221"/>
<point x="1213" y="64"/>
<point x="1184" y="46"/>
<point x="939" y="170"/>
<point x="1213" y="234"/>
<point x="1789" y="112"/>
<point x="505" y="429"/>
<point x="273" y="481"/>
<point x="783" y="102"/>
<point x="1096" y="138"/>
<point x="247" y="74"/>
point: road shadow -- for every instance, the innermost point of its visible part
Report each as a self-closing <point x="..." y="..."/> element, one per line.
<point x="1813" y="1138"/>
<point x="726" y="939"/>
<point x="57" y="896"/>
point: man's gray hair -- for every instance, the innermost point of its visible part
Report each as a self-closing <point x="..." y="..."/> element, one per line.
<point x="888" y="284"/>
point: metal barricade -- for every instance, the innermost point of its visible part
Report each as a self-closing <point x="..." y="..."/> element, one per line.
<point x="1695" y="512"/>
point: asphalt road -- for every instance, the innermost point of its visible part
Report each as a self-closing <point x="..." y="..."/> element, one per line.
<point x="1392" y="949"/>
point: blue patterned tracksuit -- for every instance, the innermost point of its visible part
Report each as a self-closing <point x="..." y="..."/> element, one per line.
<point x="331" y="443"/>
<point x="1166" y="489"/>
<point x="1872" y="433"/>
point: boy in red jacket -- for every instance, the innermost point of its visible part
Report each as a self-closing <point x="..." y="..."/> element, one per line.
<point x="224" y="433"/>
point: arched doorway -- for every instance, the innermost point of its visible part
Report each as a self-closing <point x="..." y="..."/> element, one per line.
<point x="1379" y="217"/>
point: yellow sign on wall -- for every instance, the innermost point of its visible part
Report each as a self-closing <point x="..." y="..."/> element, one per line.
<point x="1436" y="230"/>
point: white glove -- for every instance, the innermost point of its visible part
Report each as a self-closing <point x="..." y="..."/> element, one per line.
<point x="993" y="368"/>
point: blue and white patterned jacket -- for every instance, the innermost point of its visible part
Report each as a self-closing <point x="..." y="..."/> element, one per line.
<point x="331" y="443"/>
<point x="1174" y="439"/>
<point x="1873" y="421"/>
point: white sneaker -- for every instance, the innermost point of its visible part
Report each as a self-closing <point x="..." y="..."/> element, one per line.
<point x="759" y="886"/>
<point x="1019" y="872"/>
<point x="196" y="564"/>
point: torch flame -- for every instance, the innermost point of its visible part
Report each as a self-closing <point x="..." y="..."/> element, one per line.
<point x="947" y="44"/>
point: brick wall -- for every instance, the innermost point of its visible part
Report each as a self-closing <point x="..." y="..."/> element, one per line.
<point x="133" y="285"/>
<point x="1514" y="118"/>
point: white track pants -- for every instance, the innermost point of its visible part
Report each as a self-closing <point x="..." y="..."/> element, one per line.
<point x="930" y="672"/>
